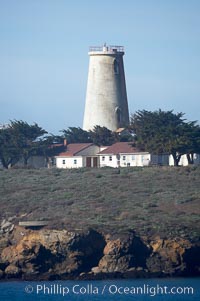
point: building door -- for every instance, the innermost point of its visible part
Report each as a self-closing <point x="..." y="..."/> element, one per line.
<point x="88" y="161"/>
<point x="95" y="162"/>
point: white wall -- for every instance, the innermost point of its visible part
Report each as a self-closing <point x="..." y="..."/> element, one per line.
<point x="69" y="162"/>
<point x="125" y="160"/>
<point x="184" y="161"/>
<point x="108" y="160"/>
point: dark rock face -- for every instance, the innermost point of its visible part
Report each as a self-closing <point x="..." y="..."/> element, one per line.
<point x="88" y="249"/>
<point x="173" y="258"/>
<point x="52" y="254"/>
<point x="124" y="253"/>
<point x="191" y="257"/>
<point x="12" y="271"/>
<point x="1" y="274"/>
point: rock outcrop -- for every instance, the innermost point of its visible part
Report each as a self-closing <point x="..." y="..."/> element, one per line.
<point x="170" y="257"/>
<point x="6" y="226"/>
<point x="53" y="254"/>
<point x="124" y="253"/>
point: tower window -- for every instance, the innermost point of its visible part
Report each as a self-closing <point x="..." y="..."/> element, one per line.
<point x="118" y="113"/>
<point x="116" y="67"/>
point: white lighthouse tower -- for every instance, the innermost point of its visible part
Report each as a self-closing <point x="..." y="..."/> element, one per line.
<point x="106" y="99"/>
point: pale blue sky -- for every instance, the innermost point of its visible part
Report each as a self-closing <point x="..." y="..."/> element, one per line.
<point x="44" y="60"/>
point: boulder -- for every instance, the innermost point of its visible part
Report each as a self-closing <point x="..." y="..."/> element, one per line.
<point x="12" y="271"/>
<point x="171" y="256"/>
<point x="123" y="253"/>
<point x="95" y="270"/>
<point x="6" y="225"/>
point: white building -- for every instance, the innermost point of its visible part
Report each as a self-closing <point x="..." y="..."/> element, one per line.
<point x="184" y="161"/>
<point x="122" y="154"/>
<point x="78" y="155"/>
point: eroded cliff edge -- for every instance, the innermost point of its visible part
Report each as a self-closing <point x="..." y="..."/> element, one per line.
<point x="59" y="254"/>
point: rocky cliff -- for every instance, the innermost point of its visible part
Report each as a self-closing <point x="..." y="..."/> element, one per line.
<point x="53" y="254"/>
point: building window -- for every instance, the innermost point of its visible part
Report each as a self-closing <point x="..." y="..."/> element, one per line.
<point x="63" y="161"/>
<point x="133" y="157"/>
<point x="142" y="158"/>
<point x="124" y="158"/>
<point x="75" y="161"/>
<point x="110" y="158"/>
<point x="103" y="158"/>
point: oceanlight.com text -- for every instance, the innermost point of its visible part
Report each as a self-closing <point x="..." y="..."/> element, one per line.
<point x="106" y="289"/>
<point x="150" y="290"/>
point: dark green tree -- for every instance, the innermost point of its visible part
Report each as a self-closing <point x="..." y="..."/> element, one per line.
<point x="102" y="136"/>
<point x="191" y="136"/>
<point x="160" y="132"/>
<point x="19" y="140"/>
<point x="76" y="135"/>
<point x="9" y="151"/>
<point x="26" y="138"/>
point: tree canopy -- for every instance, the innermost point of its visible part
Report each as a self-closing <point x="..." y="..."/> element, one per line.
<point x="9" y="152"/>
<point x="165" y="132"/>
<point x="76" y="135"/>
<point x="19" y="140"/>
<point x="100" y="135"/>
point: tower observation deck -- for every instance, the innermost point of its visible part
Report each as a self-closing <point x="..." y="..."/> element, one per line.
<point x="108" y="49"/>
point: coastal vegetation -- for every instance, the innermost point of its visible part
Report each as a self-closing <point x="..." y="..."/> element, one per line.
<point x="160" y="201"/>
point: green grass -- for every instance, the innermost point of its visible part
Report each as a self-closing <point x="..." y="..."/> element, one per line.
<point x="151" y="201"/>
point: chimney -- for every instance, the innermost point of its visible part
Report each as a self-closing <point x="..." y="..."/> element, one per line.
<point x="65" y="142"/>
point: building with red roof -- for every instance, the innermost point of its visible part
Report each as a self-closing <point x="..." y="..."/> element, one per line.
<point x="78" y="155"/>
<point x="122" y="154"/>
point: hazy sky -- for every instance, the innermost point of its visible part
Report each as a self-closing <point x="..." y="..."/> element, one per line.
<point x="44" y="56"/>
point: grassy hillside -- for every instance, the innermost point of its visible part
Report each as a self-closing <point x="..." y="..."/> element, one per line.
<point x="149" y="200"/>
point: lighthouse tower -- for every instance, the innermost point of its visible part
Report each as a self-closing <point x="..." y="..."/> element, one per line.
<point x="106" y="99"/>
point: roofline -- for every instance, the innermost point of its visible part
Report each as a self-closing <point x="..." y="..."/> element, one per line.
<point x="99" y="154"/>
<point x="90" y="144"/>
<point x="67" y="156"/>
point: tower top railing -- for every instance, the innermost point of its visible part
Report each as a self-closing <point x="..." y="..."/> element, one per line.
<point x="106" y="48"/>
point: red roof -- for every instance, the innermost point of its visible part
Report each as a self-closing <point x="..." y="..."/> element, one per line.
<point x="74" y="148"/>
<point x="120" y="148"/>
